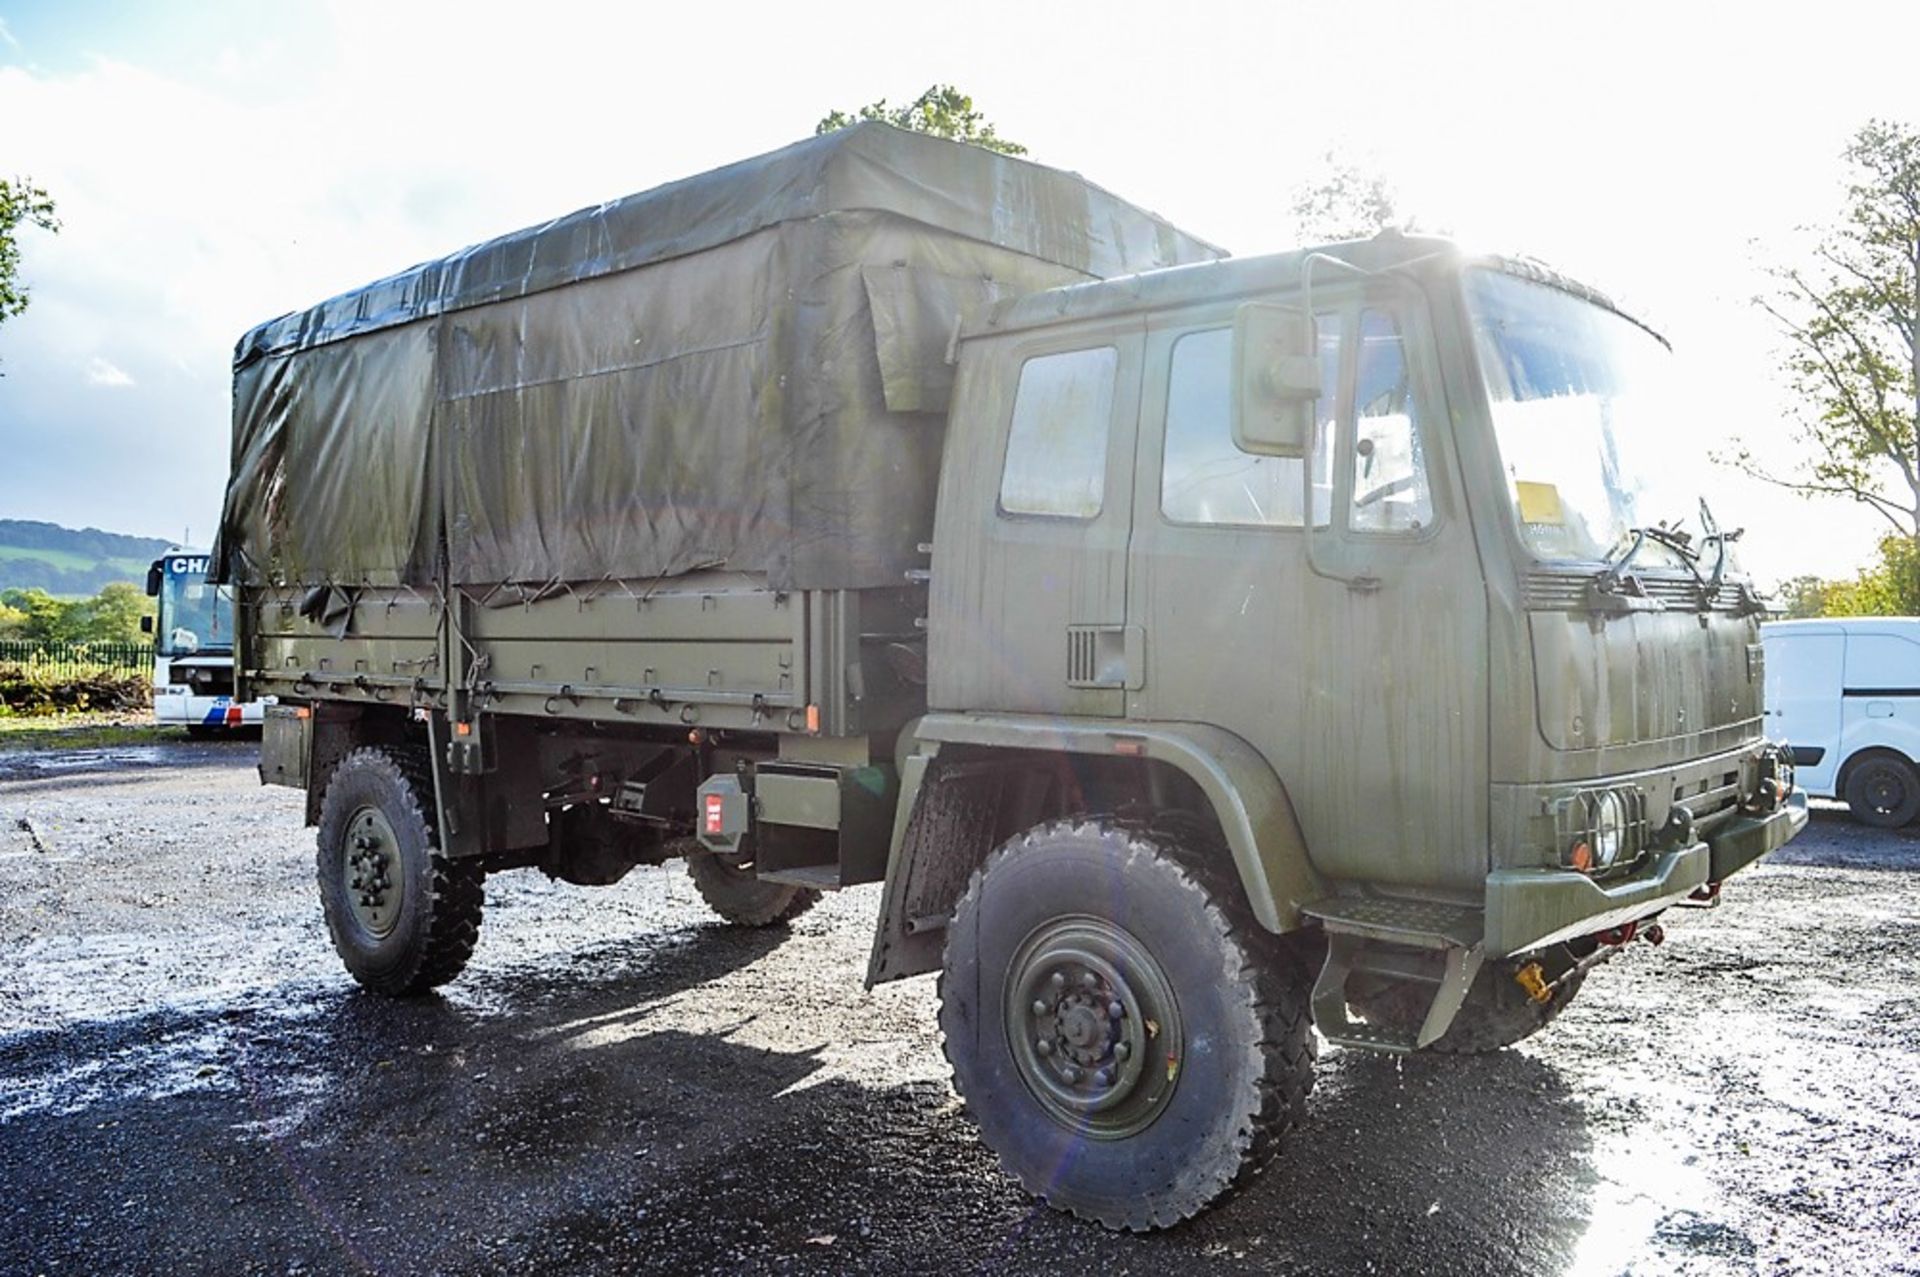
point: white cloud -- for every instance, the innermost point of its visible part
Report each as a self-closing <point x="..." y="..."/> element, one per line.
<point x="100" y="372"/>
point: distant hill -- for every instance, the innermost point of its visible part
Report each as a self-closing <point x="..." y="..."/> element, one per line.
<point x="62" y="561"/>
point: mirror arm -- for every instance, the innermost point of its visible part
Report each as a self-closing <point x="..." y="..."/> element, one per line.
<point x="1356" y="581"/>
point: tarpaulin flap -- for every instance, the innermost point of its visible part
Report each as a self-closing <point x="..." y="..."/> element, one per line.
<point x="331" y="463"/>
<point x="638" y="436"/>
<point x="743" y="368"/>
<point x="916" y="317"/>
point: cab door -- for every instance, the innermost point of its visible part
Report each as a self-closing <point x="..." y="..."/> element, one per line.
<point x="1036" y="506"/>
<point x="1336" y="623"/>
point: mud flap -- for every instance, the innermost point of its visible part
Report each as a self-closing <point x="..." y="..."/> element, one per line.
<point x="1346" y="953"/>
<point x="1407" y="941"/>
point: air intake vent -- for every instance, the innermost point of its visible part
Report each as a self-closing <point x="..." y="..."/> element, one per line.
<point x="1083" y="658"/>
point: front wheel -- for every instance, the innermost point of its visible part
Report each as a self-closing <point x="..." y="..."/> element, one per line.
<point x="1883" y="791"/>
<point x="404" y="916"/>
<point x="1128" y="1040"/>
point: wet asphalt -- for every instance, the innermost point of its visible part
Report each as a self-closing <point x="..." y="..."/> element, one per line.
<point x="189" y="1082"/>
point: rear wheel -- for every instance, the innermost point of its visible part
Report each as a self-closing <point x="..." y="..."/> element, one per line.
<point x="403" y="915"/>
<point x="1882" y="790"/>
<point x="1128" y="1040"/>
<point x="728" y="885"/>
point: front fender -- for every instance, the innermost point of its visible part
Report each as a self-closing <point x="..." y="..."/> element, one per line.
<point x="1248" y="800"/>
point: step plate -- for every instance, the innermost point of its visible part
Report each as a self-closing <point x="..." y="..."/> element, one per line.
<point x="1424" y="924"/>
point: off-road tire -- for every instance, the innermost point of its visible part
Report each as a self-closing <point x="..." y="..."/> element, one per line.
<point x="441" y="898"/>
<point x="1242" y="1003"/>
<point x="731" y="890"/>
<point x="1882" y="790"/>
<point x="1496" y="1013"/>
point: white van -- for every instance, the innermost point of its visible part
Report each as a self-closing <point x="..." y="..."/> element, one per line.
<point x="1844" y="696"/>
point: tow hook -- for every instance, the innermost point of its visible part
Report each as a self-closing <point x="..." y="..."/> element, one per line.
<point x="1612" y="943"/>
<point x="1534" y="981"/>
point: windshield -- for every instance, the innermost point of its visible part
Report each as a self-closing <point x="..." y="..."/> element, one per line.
<point x="194" y="616"/>
<point x="1585" y="409"/>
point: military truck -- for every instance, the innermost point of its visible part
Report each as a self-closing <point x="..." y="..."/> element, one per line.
<point x="1200" y="652"/>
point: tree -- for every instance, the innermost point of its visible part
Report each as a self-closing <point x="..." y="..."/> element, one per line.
<point x="111" y="616"/>
<point x="942" y="110"/>
<point x="1346" y="202"/>
<point x="1848" y="319"/>
<point x="1802" y="597"/>
<point x="47" y="618"/>
<point x="20" y="202"/>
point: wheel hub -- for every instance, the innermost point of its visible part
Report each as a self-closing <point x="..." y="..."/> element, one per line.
<point x="370" y="871"/>
<point x="1094" y="1027"/>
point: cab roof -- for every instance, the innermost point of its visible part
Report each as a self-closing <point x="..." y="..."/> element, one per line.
<point x="1228" y="278"/>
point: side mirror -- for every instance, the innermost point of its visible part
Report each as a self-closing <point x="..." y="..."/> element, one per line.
<point x="1276" y="379"/>
<point x="146" y="625"/>
<point x="153" y="580"/>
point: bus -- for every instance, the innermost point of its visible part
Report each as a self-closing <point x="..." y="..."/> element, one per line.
<point x="193" y="648"/>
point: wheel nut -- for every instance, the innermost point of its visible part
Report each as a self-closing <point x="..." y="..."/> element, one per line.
<point x="1070" y="1073"/>
<point x="1115" y="1010"/>
<point x="1043" y="1046"/>
<point x="1121" y="1051"/>
<point x="1058" y="980"/>
<point x="1040" y="1007"/>
<point x="1089" y="980"/>
<point x="1104" y="1077"/>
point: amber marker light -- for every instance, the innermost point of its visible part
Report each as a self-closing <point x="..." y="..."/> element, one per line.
<point x="1581" y="857"/>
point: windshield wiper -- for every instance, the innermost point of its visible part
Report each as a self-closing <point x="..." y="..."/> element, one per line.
<point x="1615" y="574"/>
<point x="1711" y="526"/>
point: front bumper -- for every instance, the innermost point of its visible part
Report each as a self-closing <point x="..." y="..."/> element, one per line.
<point x="1527" y="908"/>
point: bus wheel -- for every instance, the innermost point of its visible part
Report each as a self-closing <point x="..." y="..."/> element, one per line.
<point x="1882" y="790"/>
<point x="728" y="885"/>
<point x="1130" y="1042"/>
<point x="403" y="915"/>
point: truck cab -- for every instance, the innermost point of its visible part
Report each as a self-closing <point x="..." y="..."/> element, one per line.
<point x="1507" y="701"/>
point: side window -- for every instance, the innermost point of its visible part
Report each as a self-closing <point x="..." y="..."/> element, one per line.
<point x="1204" y="478"/>
<point x="1057" y="448"/>
<point x="1390" y="492"/>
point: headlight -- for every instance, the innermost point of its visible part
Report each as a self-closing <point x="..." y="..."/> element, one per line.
<point x="1609" y="829"/>
<point x="1601" y="828"/>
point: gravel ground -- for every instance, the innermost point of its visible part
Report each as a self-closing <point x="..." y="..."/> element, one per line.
<point x="188" y="1081"/>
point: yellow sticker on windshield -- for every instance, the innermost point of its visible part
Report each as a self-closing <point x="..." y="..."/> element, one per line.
<point x="1539" y="502"/>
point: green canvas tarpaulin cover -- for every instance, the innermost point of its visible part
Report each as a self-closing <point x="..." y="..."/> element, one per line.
<point x="746" y="368"/>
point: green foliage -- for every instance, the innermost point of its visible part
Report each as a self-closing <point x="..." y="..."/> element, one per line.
<point x="111" y="616"/>
<point x="1802" y="597"/>
<point x="1346" y="202"/>
<point x="1889" y="586"/>
<point x="942" y="110"/>
<point x="1849" y="320"/>
<point x="20" y="202"/>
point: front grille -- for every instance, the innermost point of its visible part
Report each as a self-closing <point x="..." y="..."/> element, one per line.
<point x="1550" y="591"/>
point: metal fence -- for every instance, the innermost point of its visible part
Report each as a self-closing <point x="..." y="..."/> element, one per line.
<point x="75" y="660"/>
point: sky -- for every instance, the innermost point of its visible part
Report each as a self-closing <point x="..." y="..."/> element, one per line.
<point x="223" y="162"/>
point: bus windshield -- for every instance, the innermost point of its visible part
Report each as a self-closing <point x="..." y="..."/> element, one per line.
<point x="1584" y="407"/>
<point x="194" y="617"/>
